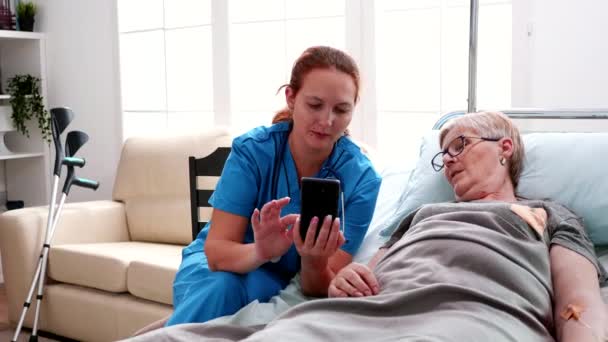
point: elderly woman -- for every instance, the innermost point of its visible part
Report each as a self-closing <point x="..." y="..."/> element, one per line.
<point x="522" y="270"/>
<point x="489" y="267"/>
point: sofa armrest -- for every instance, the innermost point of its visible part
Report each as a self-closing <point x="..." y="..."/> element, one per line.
<point x="22" y="233"/>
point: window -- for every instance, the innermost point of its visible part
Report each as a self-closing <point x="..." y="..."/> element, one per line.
<point x="422" y="66"/>
<point x="181" y="73"/>
<point x="266" y="37"/>
<point x="166" y="69"/>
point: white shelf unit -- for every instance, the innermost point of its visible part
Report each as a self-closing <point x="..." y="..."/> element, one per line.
<point x="20" y="156"/>
<point x="26" y="166"/>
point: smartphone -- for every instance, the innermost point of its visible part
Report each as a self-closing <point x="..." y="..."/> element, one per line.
<point x="319" y="197"/>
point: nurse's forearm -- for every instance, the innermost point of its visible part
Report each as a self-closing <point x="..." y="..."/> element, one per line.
<point x="316" y="278"/>
<point x="223" y="255"/>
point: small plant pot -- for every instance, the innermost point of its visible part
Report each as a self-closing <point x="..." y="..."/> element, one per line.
<point x="6" y="122"/>
<point x="26" y="24"/>
<point x="6" y="125"/>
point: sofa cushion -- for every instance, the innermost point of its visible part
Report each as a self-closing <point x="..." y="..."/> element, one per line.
<point x="157" y="219"/>
<point x="104" y="266"/>
<point x="86" y="314"/>
<point x="153" y="280"/>
<point x="153" y="169"/>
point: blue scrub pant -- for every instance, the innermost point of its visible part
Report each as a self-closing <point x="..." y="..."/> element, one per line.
<point x="200" y="295"/>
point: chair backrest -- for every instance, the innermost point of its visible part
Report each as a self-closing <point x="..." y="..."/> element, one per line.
<point x="204" y="175"/>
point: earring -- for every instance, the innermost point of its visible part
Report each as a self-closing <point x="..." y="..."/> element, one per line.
<point x="502" y="160"/>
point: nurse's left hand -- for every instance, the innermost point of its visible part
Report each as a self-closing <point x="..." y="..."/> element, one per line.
<point x="328" y="241"/>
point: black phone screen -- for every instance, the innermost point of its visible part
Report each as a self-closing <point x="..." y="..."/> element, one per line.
<point x="320" y="198"/>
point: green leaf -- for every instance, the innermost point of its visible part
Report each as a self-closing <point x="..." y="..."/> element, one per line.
<point x="27" y="104"/>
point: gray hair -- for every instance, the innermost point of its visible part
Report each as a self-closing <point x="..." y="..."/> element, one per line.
<point x="492" y="125"/>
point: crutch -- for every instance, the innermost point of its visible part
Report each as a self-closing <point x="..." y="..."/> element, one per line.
<point x="74" y="141"/>
<point x="60" y="118"/>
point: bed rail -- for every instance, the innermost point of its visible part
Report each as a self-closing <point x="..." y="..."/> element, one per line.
<point x="536" y="113"/>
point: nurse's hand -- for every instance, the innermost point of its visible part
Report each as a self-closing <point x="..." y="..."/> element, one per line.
<point x="272" y="239"/>
<point x="317" y="252"/>
<point x="354" y="280"/>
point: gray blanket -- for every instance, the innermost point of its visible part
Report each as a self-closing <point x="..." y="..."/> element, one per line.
<point x="479" y="274"/>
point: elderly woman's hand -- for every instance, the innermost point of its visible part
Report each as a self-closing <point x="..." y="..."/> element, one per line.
<point x="316" y="252"/>
<point x="272" y="239"/>
<point x="354" y="280"/>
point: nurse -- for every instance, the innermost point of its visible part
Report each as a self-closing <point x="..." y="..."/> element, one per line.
<point x="248" y="251"/>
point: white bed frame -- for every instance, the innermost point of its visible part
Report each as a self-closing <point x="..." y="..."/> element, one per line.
<point x="549" y="120"/>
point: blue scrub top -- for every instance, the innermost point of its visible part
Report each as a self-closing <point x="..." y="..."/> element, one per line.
<point x="247" y="181"/>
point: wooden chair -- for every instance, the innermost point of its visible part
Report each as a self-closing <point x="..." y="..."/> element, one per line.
<point x="204" y="175"/>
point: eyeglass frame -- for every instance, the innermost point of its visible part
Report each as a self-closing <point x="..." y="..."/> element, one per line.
<point x="464" y="144"/>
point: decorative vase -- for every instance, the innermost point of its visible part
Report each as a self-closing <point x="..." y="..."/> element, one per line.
<point x="6" y="125"/>
<point x="26" y="23"/>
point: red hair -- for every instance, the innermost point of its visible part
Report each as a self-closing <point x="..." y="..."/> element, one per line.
<point x="318" y="57"/>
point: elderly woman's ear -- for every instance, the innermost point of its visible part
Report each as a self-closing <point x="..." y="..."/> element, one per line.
<point x="506" y="149"/>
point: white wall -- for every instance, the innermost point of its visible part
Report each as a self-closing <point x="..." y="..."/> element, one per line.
<point x="562" y="64"/>
<point x="83" y="73"/>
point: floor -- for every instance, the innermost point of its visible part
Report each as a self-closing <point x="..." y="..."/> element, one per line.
<point x="6" y="334"/>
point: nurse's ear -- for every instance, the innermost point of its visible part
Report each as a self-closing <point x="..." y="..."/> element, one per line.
<point x="290" y="97"/>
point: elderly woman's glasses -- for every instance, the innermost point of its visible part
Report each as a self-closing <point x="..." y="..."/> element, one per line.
<point x="455" y="148"/>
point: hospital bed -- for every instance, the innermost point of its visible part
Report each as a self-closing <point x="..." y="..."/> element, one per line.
<point x="564" y="162"/>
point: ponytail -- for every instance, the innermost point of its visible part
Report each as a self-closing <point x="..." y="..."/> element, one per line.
<point x="284" y="115"/>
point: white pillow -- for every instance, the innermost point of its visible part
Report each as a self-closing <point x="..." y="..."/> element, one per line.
<point x="568" y="168"/>
<point x="394" y="182"/>
<point x="425" y="185"/>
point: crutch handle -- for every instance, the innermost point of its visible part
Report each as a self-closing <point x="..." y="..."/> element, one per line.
<point x="71" y="179"/>
<point x="74" y="161"/>
<point x="86" y="183"/>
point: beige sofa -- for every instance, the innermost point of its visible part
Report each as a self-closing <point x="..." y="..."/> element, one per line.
<point x="112" y="263"/>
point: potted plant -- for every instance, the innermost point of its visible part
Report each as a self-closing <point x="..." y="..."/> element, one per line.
<point x="26" y="10"/>
<point x="27" y="103"/>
